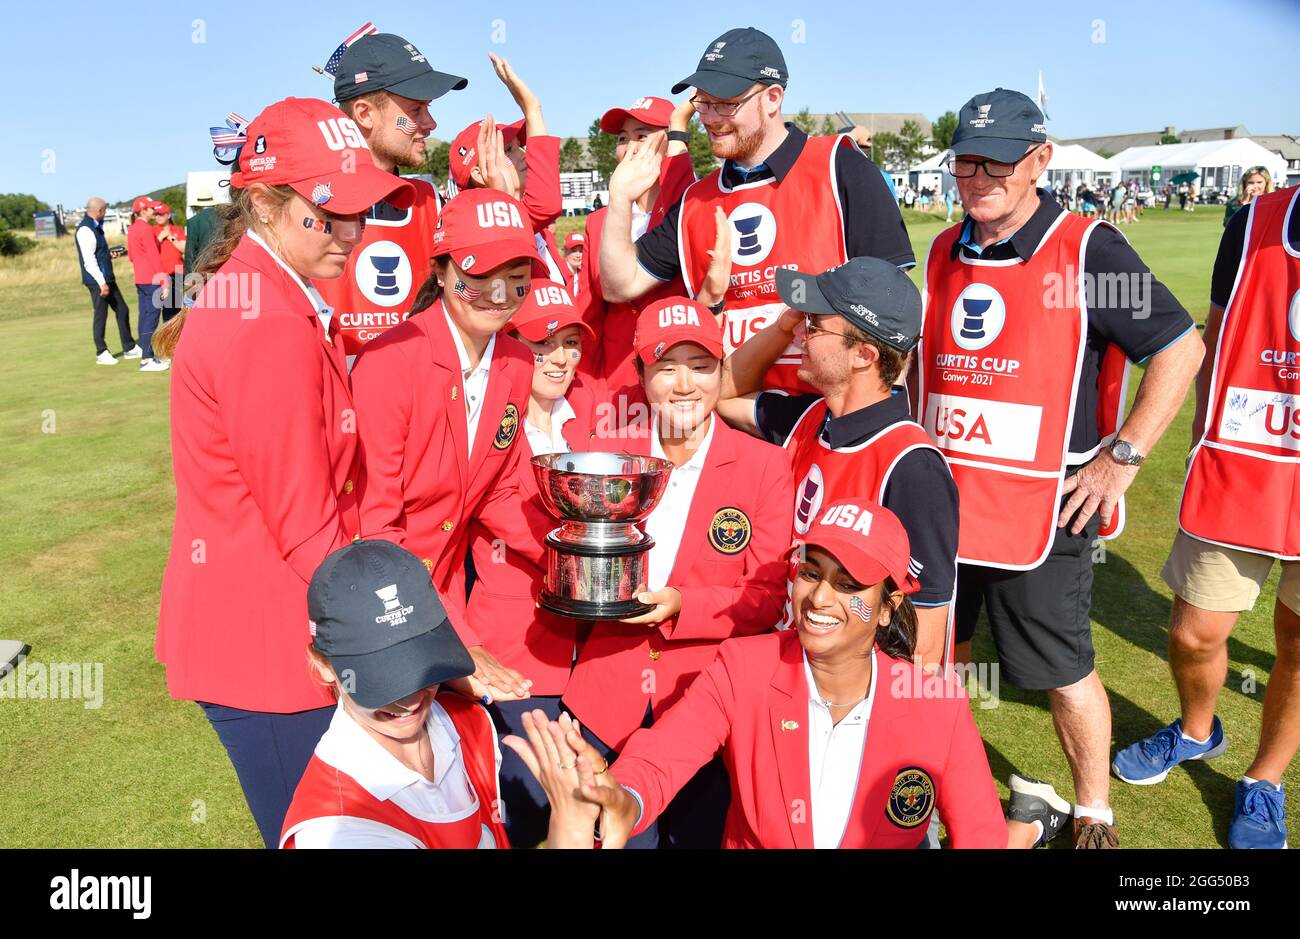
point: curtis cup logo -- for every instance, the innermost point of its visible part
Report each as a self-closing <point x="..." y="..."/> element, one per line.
<point x="385" y="278"/>
<point x="747" y="228"/>
<point x="973" y="325"/>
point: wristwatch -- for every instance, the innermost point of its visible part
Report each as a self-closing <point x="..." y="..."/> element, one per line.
<point x="718" y="307"/>
<point x="680" y="136"/>
<point x="1124" y="452"/>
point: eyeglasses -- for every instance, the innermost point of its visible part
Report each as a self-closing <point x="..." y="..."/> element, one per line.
<point x="812" y="330"/>
<point x="723" y="108"/>
<point x="963" y="168"/>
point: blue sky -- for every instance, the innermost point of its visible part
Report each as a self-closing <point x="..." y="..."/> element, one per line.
<point x="94" y="116"/>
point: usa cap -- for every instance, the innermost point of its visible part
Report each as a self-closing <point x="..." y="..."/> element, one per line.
<point x="651" y="111"/>
<point x="867" y="540"/>
<point x="873" y="295"/>
<point x="314" y="147"/>
<point x="386" y="62"/>
<point x="673" y="320"/>
<point x="463" y="155"/>
<point x="548" y="308"/>
<point x="376" y="617"/>
<point x="482" y="229"/>
<point x="734" y="61"/>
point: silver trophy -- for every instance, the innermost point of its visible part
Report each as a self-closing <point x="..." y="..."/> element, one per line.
<point x="597" y="560"/>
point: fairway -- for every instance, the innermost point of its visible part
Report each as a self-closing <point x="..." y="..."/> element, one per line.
<point x="86" y="500"/>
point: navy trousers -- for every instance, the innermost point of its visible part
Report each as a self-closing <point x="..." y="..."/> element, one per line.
<point x="148" y="317"/>
<point x="270" y="753"/>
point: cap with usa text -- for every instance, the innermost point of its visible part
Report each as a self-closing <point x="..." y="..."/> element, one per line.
<point x="866" y="539"/>
<point x="673" y="320"/>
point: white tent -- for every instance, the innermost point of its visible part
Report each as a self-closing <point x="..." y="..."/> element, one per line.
<point x="1072" y="164"/>
<point x="1219" y="163"/>
<point x="932" y="174"/>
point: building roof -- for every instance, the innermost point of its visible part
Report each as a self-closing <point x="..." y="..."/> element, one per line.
<point x="1111" y="144"/>
<point x="1284" y="144"/>
<point x="1072" y="156"/>
<point x="1173" y="157"/>
<point x="1212" y="133"/>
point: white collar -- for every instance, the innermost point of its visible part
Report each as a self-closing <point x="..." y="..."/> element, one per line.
<point x="696" y="462"/>
<point x="484" y="363"/>
<point x="863" y="707"/>
<point x="561" y="413"/>
<point x="348" y="747"/>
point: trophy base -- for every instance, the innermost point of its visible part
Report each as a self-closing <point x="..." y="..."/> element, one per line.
<point x="594" y="610"/>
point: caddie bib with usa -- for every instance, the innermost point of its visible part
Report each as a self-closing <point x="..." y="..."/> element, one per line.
<point x="796" y="223"/>
<point x="824" y="474"/>
<point x="1244" y="474"/>
<point x="998" y="368"/>
<point x="384" y="271"/>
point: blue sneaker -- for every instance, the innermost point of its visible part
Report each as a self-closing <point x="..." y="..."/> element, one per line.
<point x="1149" y="761"/>
<point x="1259" y="821"/>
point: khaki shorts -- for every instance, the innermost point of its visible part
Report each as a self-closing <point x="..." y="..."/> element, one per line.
<point x="1225" y="580"/>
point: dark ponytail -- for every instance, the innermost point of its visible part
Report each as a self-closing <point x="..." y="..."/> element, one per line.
<point x="898" y="639"/>
<point x="430" y="291"/>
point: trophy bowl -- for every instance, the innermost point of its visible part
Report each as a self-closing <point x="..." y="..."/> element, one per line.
<point x="597" y="560"/>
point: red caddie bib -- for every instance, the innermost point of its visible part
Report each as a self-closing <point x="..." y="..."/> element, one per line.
<point x="326" y="792"/>
<point x="796" y="223"/>
<point x="999" y="365"/>
<point x="384" y="272"/>
<point x="824" y="474"/>
<point x="1245" y="471"/>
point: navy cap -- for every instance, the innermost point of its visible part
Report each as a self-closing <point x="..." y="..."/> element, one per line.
<point x="734" y="61"/>
<point x="873" y="295"/>
<point x="377" y="618"/>
<point x="385" y="62"/>
<point x="999" y="125"/>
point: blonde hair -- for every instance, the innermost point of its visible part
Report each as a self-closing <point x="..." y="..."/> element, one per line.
<point x="234" y="221"/>
<point x="1245" y="178"/>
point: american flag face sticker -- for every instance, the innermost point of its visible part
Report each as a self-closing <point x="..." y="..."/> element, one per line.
<point x="860" y="609"/>
<point x="407" y="126"/>
<point x="551" y="327"/>
<point x="321" y="194"/>
<point x="466" y="292"/>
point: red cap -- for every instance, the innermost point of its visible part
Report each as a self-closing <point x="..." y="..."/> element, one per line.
<point x="162" y="208"/>
<point x="314" y="147"/>
<point x="482" y="229"/>
<point x="655" y="112"/>
<point x="548" y="309"/>
<point x="574" y="240"/>
<point x="464" y="149"/>
<point x="140" y="204"/>
<point x="662" y="325"/>
<point x="867" y="539"/>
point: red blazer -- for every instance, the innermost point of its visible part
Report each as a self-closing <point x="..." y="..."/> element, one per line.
<point x="267" y="466"/>
<point x="420" y="488"/>
<point x="506" y="540"/>
<point x="142" y="249"/>
<point x="622" y="667"/>
<point x="752" y="703"/>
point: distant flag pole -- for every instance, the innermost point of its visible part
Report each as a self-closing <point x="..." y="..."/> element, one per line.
<point x="1042" y="96"/>
<point x="331" y="66"/>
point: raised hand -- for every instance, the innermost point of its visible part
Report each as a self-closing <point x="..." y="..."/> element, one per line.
<point x="718" y="277"/>
<point x="495" y="167"/>
<point x="639" y="170"/>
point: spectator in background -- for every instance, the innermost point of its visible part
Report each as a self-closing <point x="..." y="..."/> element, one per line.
<point x="1191" y="197"/>
<point x="142" y="247"/>
<point x="200" y="230"/>
<point x="948" y="199"/>
<point x="171" y="252"/>
<point x="1256" y="181"/>
<point x="97" y="275"/>
<point x="573" y="254"/>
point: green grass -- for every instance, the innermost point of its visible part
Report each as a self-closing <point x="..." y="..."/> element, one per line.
<point x="86" y="513"/>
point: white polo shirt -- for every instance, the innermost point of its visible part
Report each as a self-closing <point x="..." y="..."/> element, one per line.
<point x="474" y="382"/>
<point x="667" y="522"/>
<point x="349" y="748"/>
<point x="538" y="441"/>
<point x="835" y="759"/>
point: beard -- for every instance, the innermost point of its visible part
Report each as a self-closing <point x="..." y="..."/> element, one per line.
<point x="740" y="147"/>
<point x="398" y="151"/>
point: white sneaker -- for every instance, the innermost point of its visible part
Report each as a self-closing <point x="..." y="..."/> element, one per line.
<point x="105" y="358"/>
<point x="133" y="353"/>
<point x="153" y="365"/>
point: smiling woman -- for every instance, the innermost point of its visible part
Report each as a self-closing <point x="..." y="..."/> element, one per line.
<point x="263" y="452"/>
